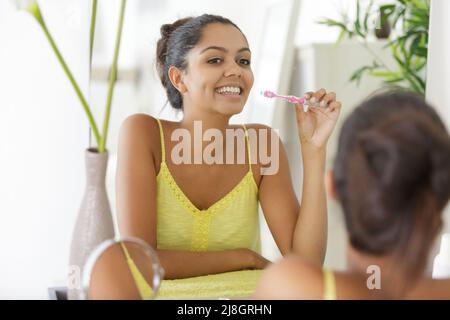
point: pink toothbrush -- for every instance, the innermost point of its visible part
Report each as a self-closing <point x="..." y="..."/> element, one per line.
<point x="291" y="99"/>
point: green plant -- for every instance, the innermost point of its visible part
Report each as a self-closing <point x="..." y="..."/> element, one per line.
<point x="33" y="8"/>
<point x="408" y="42"/>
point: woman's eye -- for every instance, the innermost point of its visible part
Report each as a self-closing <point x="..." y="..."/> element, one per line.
<point x="245" y="62"/>
<point x="214" y="60"/>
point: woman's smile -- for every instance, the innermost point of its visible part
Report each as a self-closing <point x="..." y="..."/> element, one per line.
<point x="229" y="92"/>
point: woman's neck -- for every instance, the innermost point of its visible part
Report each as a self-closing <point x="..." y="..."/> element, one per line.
<point x="207" y="121"/>
<point x="383" y="275"/>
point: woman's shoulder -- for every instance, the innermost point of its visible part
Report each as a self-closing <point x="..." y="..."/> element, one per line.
<point x="142" y="126"/>
<point x="297" y="278"/>
<point x="139" y="122"/>
<point x="257" y="126"/>
<point x="291" y="278"/>
<point x="140" y="132"/>
<point x="261" y="130"/>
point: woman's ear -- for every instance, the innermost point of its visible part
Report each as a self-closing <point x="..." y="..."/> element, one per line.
<point x="176" y="78"/>
<point x="329" y="184"/>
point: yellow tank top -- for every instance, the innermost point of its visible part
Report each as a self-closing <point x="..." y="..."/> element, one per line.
<point x="230" y="223"/>
<point x="329" y="285"/>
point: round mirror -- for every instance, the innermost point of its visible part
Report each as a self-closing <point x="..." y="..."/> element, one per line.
<point x="125" y="269"/>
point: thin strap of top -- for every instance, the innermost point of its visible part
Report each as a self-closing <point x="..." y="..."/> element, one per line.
<point x="161" y="135"/>
<point x="145" y="290"/>
<point x="163" y="149"/>
<point x="329" y="285"/>
<point x="248" y="149"/>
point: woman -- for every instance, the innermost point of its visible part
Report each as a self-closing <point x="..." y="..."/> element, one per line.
<point x="202" y="218"/>
<point x="392" y="177"/>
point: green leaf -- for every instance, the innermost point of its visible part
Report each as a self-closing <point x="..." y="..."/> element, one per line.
<point x="414" y="45"/>
<point x="394" y="80"/>
<point x="398" y="16"/>
<point x="340" y="38"/>
<point x="333" y="23"/>
<point x="358" y="74"/>
<point x="418" y="63"/>
<point x="421" y="52"/>
<point x="420" y="4"/>
<point x="366" y="16"/>
<point x="385" y="74"/>
<point x="414" y="86"/>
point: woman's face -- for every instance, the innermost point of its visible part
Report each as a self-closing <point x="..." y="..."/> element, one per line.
<point x="219" y="77"/>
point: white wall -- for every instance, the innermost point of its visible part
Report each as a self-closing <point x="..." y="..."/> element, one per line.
<point x="43" y="133"/>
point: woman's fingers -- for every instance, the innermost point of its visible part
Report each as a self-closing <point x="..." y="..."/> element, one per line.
<point x="335" y="106"/>
<point x="299" y="112"/>
<point x="327" y="99"/>
<point x="308" y="95"/>
<point x="318" y="95"/>
<point x="322" y="99"/>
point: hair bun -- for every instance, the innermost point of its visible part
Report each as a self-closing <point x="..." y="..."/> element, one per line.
<point x="167" y="29"/>
<point x="440" y="177"/>
<point x="381" y="154"/>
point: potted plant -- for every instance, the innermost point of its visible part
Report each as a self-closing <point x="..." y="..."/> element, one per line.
<point x="408" y="41"/>
<point x="94" y="222"/>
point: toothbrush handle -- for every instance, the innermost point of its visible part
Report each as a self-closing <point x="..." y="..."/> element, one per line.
<point x="291" y="99"/>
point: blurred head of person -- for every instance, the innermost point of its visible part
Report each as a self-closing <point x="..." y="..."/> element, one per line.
<point x="391" y="176"/>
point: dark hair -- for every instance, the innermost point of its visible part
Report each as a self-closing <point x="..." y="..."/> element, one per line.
<point x="392" y="177"/>
<point x="177" y="39"/>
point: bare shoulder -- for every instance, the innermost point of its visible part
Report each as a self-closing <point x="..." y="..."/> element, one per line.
<point x="258" y="126"/>
<point x="140" y="132"/>
<point x="140" y="124"/>
<point x="290" y="278"/>
<point x="263" y="130"/>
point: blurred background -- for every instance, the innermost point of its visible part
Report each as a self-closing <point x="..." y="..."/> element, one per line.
<point x="44" y="131"/>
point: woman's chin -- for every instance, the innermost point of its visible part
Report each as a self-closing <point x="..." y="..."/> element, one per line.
<point x="230" y="110"/>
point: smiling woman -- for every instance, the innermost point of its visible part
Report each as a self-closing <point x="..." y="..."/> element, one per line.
<point x="224" y="92"/>
<point x="203" y="217"/>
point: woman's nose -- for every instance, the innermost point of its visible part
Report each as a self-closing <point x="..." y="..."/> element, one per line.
<point x="233" y="69"/>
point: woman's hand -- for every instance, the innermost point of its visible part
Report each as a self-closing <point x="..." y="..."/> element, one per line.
<point x="315" y="125"/>
<point x="254" y="260"/>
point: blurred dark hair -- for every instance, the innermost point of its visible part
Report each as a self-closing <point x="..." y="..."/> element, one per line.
<point x="392" y="177"/>
<point x="177" y="39"/>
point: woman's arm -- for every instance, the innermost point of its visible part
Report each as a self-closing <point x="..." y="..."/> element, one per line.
<point x="310" y="235"/>
<point x="184" y="264"/>
<point x="298" y="229"/>
<point x="302" y="229"/>
<point x="314" y="129"/>
<point x="136" y="206"/>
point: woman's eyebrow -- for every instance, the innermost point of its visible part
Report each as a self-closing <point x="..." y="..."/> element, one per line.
<point x="223" y="49"/>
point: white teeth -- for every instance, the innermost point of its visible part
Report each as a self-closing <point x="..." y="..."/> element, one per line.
<point x="232" y="90"/>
